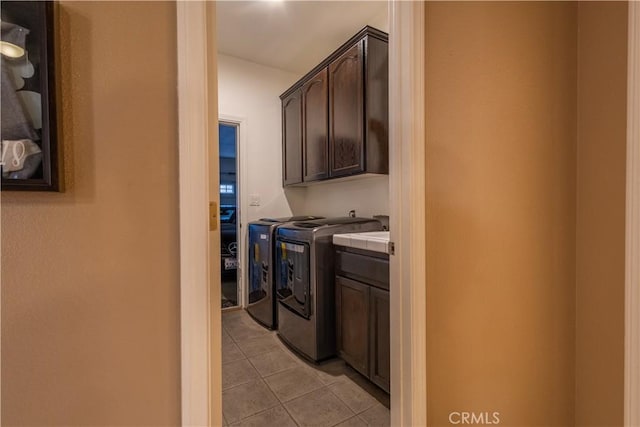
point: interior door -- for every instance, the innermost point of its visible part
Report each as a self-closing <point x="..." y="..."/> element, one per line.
<point x="229" y="213"/>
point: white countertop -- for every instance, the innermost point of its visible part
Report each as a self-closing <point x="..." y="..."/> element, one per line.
<point x="376" y="241"/>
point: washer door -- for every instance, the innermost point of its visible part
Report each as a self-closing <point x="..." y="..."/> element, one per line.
<point x="292" y="261"/>
<point x="259" y="271"/>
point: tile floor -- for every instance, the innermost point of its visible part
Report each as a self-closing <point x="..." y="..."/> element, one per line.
<point x="265" y="384"/>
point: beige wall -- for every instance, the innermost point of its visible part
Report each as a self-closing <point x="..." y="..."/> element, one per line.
<point x="90" y="281"/>
<point x="501" y="186"/>
<point x="602" y="97"/>
<point x="526" y="123"/>
<point x="90" y="319"/>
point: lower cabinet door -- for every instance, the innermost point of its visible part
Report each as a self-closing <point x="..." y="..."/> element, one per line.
<point x="379" y="341"/>
<point x="352" y="321"/>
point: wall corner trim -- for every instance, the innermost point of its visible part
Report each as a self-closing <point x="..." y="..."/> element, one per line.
<point x="632" y="262"/>
<point x="407" y="212"/>
<point x="193" y="131"/>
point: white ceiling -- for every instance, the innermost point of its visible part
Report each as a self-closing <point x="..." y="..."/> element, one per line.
<point x="292" y="35"/>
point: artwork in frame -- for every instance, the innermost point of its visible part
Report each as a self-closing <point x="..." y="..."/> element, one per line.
<point x="28" y="135"/>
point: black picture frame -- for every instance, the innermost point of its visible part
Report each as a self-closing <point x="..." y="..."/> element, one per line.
<point x="38" y="17"/>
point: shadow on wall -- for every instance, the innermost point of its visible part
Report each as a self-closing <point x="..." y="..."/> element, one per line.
<point x="296" y="199"/>
<point x="367" y="196"/>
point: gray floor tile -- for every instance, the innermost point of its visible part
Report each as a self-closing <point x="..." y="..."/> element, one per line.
<point x="232" y="315"/>
<point x="238" y="372"/>
<point x="353" y="422"/>
<point x="354" y="396"/>
<point x="246" y="400"/>
<point x="274" y="417"/>
<point x="240" y="331"/>
<point x="332" y="370"/>
<point x="236" y="318"/>
<point x="231" y="353"/>
<point x="289" y="384"/>
<point x="255" y="403"/>
<point x="265" y="344"/>
<point x="375" y="391"/>
<point x="226" y="338"/>
<point x="378" y="416"/>
<point x="272" y="362"/>
<point x="318" y="408"/>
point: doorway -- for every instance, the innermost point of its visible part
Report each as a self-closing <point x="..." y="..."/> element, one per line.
<point x="229" y="214"/>
<point x="202" y="358"/>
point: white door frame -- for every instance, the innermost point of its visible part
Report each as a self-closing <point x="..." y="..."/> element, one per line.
<point x="201" y="330"/>
<point x="407" y="213"/>
<point x="632" y="264"/>
<point x="200" y="320"/>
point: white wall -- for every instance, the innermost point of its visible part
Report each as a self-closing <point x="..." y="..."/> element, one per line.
<point x="367" y="196"/>
<point x="249" y="93"/>
<point x="380" y="21"/>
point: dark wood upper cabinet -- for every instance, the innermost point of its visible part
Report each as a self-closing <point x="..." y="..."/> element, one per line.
<point x="376" y="110"/>
<point x="343" y="125"/>
<point x="315" y="138"/>
<point x="292" y="138"/>
<point x="346" y="111"/>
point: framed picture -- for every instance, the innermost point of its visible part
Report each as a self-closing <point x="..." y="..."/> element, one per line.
<point x="28" y="135"/>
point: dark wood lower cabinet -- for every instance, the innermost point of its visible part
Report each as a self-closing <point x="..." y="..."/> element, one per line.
<point x="352" y="307"/>
<point x="379" y="339"/>
<point x="362" y="315"/>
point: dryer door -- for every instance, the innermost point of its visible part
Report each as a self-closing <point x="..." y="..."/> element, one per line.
<point x="292" y="260"/>
<point x="259" y="263"/>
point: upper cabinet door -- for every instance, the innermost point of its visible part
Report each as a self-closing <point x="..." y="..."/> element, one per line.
<point x="346" y="111"/>
<point x="292" y="138"/>
<point x="315" y="128"/>
<point x="335" y="118"/>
